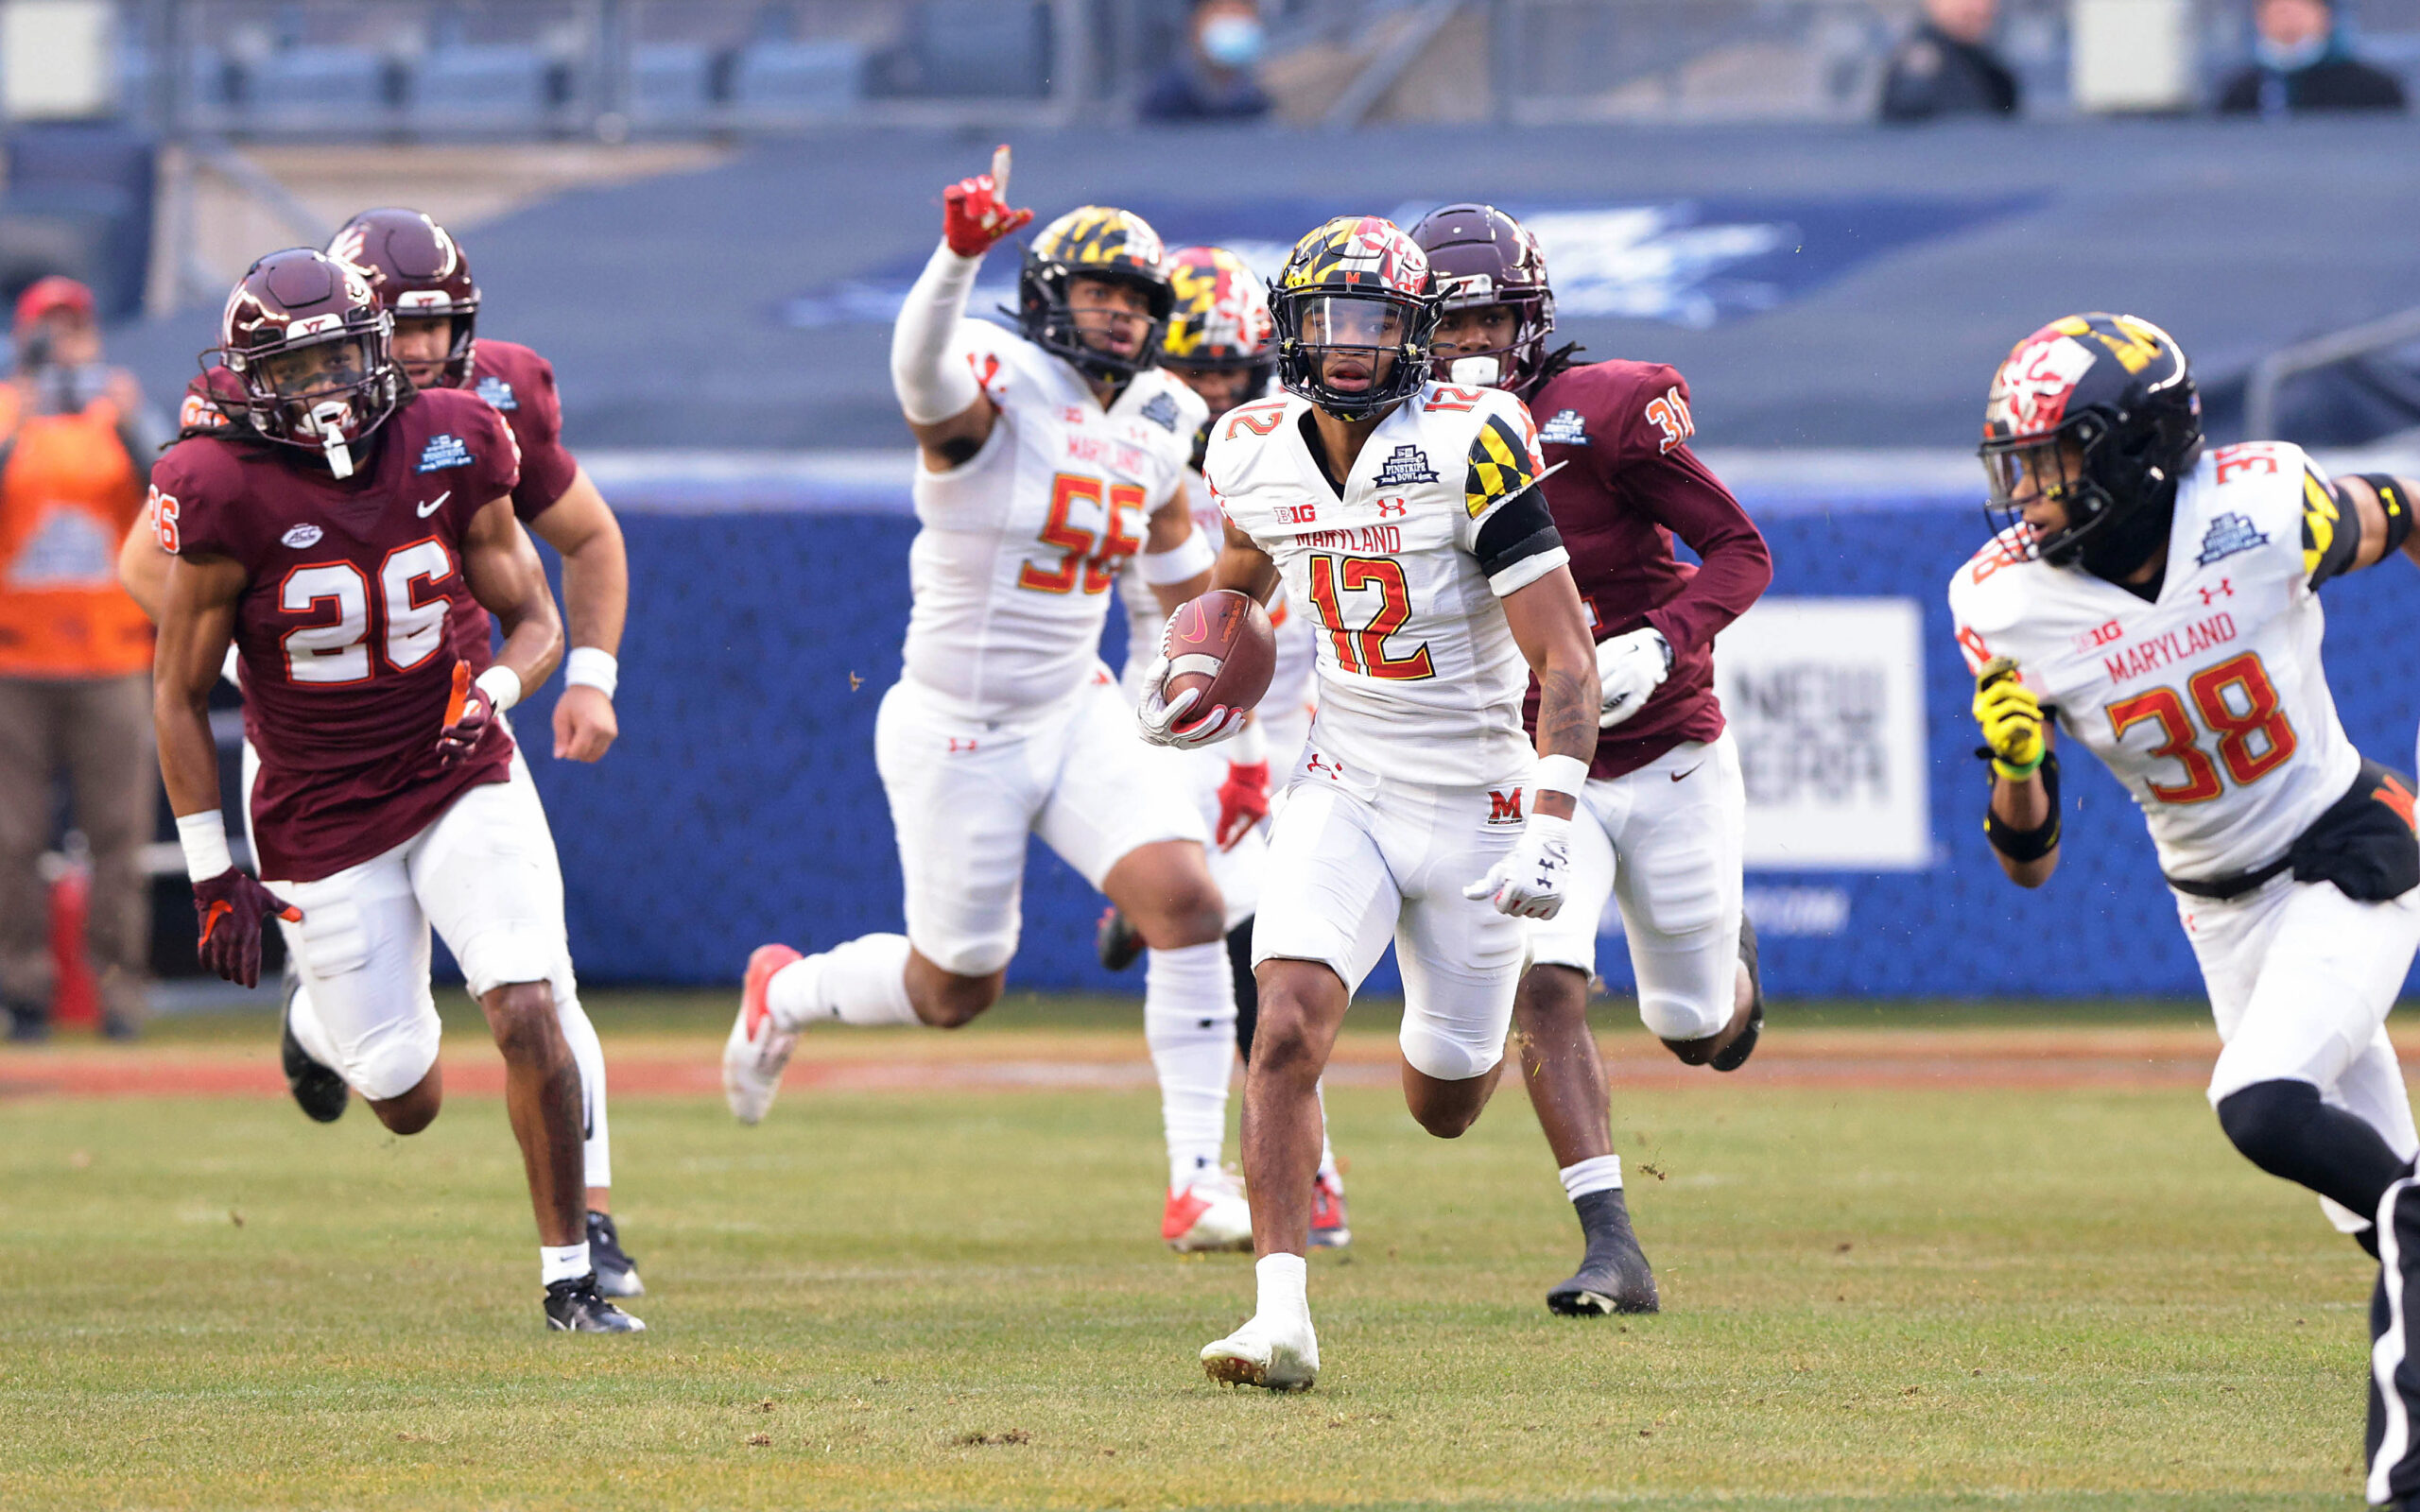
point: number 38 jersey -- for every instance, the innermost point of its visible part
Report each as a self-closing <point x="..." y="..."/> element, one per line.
<point x="1020" y="543"/>
<point x="1420" y="677"/>
<point x="2210" y="702"/>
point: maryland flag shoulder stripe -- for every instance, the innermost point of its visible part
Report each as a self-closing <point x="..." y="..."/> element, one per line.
<point x="1502" y="463"/>
<point x="2329" y="542"/>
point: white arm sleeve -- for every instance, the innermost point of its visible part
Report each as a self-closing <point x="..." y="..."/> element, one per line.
<point x="932" y="382"/>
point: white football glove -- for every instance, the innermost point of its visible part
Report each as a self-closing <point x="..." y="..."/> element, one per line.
<point x="1529" y="881"/>
<point x="1159" y="717"/>
<point x="1628" y="669"/>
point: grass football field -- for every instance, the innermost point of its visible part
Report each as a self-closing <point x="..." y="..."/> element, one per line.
<point x="2004" y="1261"/>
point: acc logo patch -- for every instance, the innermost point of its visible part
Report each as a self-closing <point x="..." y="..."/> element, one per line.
<point x="2229" y="535"/>
<point x="1407" y="466"/>
<point x="301" y="535"/>
<point x="1566" y="429"/>
<point x="444" y="452"/>
<point x="497" y="393"/>
<point x="1162" y="409"/>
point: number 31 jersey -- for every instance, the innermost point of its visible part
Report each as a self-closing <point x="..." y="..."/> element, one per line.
<point x="2210" y="702"/>
<point x="1019" y="543"/>
<point x="1420" y="677"/>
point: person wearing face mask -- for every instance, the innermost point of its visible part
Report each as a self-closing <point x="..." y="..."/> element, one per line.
<point x="2302" y="60"/>
<point x="1947" y="67"/>
<point x="1218" y="78"/>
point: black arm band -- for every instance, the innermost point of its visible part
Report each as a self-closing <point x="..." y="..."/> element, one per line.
<point x="2397" y="504"/>
<point x="2028" y="845"/>
<point x="1520" y="528"/>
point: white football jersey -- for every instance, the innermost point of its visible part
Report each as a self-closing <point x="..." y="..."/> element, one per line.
<point x="1297" y="655"/>
<point x="2209" y="703"/>
<point x="1020" y="543"/>
<point x="1419" y="676"/>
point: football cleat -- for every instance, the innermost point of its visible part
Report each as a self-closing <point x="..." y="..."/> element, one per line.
<point x="1329" y="1228"/>
<point x="577" y="1306"/>
<point x="618" y="1274"/>
<point x="1209" y="1214"/>
<point x="758" y="1049"/>
<point x="1117" y="942"/>
<point x="1279" y="1357"/>
<point x="1614" y="1276"/>
<point x="1734" y="1055"/>
<point x="319" y="1092"/>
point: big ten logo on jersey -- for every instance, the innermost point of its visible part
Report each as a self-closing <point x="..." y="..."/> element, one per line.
<point x="1086" y="526"/>
<point x="1669" y="413"/>
<point x="1298" y="514"/>
<point x="2093" y="639"/>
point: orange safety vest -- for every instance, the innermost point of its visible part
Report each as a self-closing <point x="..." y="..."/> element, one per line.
<point x="67" y="498"/>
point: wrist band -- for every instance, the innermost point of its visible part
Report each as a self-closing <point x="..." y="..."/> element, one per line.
<point x="1189" y="558"/>
<point x="204" y="839"/>
<point x="2028" y="845"/>
<point x="2398" y="508"/>
<point x="591" y="666"/>
<point x="1559" y="774"/>
<point x="501" y="684"/>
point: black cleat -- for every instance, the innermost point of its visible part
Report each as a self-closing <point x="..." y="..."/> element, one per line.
<point x="1613" y="1275"/>
<point x="1736" y="1054"/>
<point x="618" y="1274"/>
<point x="1117" y="941"/>
<point x="577" y="1307"/>
<point x="319" y="1092"/>
<point x="29" y="1022"/>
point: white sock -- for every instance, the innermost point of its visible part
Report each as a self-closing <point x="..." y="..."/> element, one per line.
<point x="1599" y="1173"/>
<point x="597" y="1147"/>
<point x="1327" y="1152"/>
<point x="863" y="981"/>
<point x="1189" y="1023"/>
<point x="1284" y="1288"/>
<point x="569" y="1264"/>
<point x="310" y="1032"/>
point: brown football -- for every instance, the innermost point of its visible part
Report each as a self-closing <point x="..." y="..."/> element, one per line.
<point x="1221" y="643"/>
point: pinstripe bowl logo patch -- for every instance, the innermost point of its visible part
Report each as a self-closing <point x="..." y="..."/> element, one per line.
<point x="1407" y="466"/>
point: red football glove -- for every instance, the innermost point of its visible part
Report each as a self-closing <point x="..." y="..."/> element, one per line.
<point x="467" y="714"/>
<point x="1243" y="801"/>
<point x="233" y="906"/>
<point x="974" y="220"/>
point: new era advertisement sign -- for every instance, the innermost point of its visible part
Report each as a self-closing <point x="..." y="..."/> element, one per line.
<point x="1826" y="697"/>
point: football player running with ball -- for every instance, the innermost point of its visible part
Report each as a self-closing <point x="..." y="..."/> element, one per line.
<point x="1050" y="455"/>
<point x="1406" y="515"/>
<point x="2160" y="604"/>
<point x="1222" y="344"/>
<point x="1665" y="810"/>
<point x="335" y="538"/>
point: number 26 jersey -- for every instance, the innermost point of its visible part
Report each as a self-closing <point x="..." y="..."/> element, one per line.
<point x="2209" y="701"/>
<point x="1402" y="571"/>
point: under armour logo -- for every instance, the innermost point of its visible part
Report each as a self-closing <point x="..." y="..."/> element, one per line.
<point x="1389" y="508"/>
<point x="2211" y="596"/>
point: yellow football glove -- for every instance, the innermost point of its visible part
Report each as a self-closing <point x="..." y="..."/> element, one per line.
<point x="2012" y="719"/>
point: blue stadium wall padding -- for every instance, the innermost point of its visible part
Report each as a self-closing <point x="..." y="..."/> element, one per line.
<point x="741" y="805"/>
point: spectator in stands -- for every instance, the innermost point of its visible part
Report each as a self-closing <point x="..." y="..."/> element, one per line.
<point x="2302" y="60"/>
<point x="74" y="654"/>
<point x="1946" y="66"/>
<point x="1219" y="77"/>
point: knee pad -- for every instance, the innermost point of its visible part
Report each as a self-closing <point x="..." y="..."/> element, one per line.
<point x="393" y="1059"/>
<point x="508" y="955"/>
<point x="1431" y="1052"/>
<point x="1668" y="1016"/>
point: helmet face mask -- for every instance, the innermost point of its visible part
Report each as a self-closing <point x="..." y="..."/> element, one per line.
<point x="1355" y="311"/>
<point x="310" y="346"/>
<point x="1097" y="242"/>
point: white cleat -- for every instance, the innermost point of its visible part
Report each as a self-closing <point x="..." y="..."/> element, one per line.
<point x="1281" y="1357"/>
<point x="758" y="1049"/>
<point x="1209" y="1214"/>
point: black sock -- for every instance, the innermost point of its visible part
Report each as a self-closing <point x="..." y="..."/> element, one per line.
<point x="1247" y="990"/>
<point x="2283" y="1128"/>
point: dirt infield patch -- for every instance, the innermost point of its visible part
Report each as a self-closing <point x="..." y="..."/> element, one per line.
<point x="662" y="1066"/>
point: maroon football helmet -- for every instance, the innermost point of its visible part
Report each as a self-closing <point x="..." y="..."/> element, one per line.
<point x="420" y="271"/>
<point x="308" y="339"/>
<point x="1483" y="256"/>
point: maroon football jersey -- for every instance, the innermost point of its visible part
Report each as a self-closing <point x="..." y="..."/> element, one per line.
<point x="1631" y="486"/>
<point x="343" y="626"/>
<point x="519" y="385"/>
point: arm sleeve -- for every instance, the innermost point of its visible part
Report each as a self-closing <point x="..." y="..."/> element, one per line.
<point x="546" y="467"/>
<point x="1656" y="467"/>
<point x="933" y="383"/>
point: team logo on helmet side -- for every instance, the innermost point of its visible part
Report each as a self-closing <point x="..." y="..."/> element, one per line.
<point x="1095" y="236"/>
<point x="1358" y="252"/>
<point x="1221" y="314"/>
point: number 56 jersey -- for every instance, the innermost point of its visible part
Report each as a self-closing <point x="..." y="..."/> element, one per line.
<point x="1019" y="543"/>
<point x="2208" y="702"/>
<point x="1420" y="678"/>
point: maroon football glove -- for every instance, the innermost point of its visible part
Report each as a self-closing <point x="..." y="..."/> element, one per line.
<point x="232" y="907"/>
<point x="973" y="216"/>
<point x="467" y="714"/>
<point x="1243" y="801"/>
